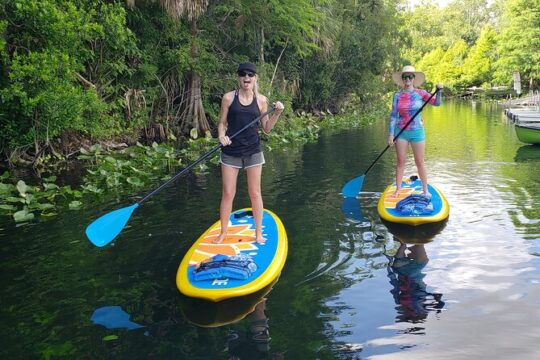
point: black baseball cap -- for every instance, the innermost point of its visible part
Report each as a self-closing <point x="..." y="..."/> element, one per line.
<point x="247" y="66"/>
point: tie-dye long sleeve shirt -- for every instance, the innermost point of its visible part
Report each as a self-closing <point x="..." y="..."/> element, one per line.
<point x="405" y="104"/>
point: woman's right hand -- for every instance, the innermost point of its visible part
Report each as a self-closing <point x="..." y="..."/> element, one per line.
<point x="390" y="140"/>
<point x="224" y="140"/>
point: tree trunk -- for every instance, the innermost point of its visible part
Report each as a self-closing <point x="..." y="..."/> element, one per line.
<point x="194" y="116"/>
<point x="261" y="47"/>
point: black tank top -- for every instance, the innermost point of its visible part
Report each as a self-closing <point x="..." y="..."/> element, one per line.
<point x="248" y="141"/>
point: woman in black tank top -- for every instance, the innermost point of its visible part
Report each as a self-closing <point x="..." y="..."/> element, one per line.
<point x="238" y="109"/>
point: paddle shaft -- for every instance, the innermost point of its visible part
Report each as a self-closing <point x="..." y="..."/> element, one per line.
<point x="204" y="157"/>
<point x="401" y="131"/>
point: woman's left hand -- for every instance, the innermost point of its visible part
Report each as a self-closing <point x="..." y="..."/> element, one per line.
<point x="278" y="106"/>
<point x="439" y="86"/>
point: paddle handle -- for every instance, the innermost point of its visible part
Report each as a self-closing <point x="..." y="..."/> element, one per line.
<point x="403" y="129"/>
<point x="204" y="157"/>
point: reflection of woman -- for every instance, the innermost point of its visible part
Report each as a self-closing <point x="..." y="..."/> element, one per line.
<point x="255" y="342"/>
<point x="405" y="104"/>
<point x="409" y="289"/>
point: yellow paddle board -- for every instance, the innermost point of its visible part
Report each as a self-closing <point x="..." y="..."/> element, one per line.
<point x="269" y="257"/>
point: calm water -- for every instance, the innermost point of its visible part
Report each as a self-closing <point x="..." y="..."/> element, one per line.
<point x="471" y="291"/>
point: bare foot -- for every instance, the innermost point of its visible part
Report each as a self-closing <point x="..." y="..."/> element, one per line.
<point x="260" y="240"/>
<point x="219" y="239"/>
<point x="427" y="194"/>
<point x="396" y="193"/>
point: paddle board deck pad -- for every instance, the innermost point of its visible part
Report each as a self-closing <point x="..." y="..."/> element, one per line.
<point x="268" y="258"/>
<point x="437" y="211"/>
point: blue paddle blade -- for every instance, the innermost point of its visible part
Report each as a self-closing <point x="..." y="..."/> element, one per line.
<point x="353" y="187"/>
<point x="104" y="229"/>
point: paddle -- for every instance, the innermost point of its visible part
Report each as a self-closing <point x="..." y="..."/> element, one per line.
<point x="104" y="229"/>
<point x="354" y="186"/>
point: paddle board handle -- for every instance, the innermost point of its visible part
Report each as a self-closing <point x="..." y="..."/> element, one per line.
<point x="204" y="157"/>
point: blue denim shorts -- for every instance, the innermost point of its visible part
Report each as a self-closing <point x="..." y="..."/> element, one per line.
<point x="416" y="135"/>
<point x="240" y="162"/>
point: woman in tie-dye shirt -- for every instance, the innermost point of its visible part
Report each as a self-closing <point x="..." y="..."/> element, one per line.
<point x="405" y="104"/>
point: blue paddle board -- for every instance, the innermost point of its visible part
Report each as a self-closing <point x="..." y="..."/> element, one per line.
<point x="409" y="186"/>
<point x="269" y="257"/>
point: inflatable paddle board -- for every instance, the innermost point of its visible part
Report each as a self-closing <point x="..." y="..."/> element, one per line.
<point x="388" y="211"/>
<point x="269" y="258"/>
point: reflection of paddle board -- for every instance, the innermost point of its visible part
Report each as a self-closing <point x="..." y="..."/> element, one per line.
<point x="269" y="258"/>
<point x="387" y="204"/>
<point x="420" y="234"/>
<point x="206" y="313"/>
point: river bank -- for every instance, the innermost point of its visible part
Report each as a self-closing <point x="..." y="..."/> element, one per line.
<point x="114" y="168"/>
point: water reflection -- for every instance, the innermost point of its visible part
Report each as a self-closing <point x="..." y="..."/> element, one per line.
<point x="210" y="314"/>
<point x="114" y="317"/>
<point x="252" y="342"/>
<point x="528" y="153"/>
<point x="406" y="274"/>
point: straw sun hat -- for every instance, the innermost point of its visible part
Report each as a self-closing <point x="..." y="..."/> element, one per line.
<point x="419" y="76"/>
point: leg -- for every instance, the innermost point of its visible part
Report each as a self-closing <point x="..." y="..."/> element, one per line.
<point x="401" y="152"/>
<point x="418" y="149"/>
<point x="229" y="176"/>
<point x="254" y="189"/>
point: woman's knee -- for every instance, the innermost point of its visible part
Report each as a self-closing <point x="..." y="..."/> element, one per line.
<point x="228" y="193"/>
<point x="255" y="194"/>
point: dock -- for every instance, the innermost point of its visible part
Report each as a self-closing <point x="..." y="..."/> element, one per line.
<point x="524" y="110"/>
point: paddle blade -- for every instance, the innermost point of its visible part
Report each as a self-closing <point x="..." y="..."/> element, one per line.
<point x="104" y="229"/>
<point x="353" y="187"/>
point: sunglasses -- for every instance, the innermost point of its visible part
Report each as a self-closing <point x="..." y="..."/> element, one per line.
<point x="244" y="73"/>
<point x="405" y="76"/>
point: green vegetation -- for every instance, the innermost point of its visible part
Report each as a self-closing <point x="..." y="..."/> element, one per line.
<point x="76" y="74"/>
<point x="141" y="167"/>
<point x="476" y="42"/>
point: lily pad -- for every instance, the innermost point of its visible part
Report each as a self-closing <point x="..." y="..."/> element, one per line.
<point x="22" y="187"/>
<point x="23" y="215"/>
<point x="7" y="188"/>
<point x="8" y="207"/>
<point x="134" y="181"/>
<point x="50" y="186"/>
<point x="75" y="205"/>
<point x="50" y="179"/>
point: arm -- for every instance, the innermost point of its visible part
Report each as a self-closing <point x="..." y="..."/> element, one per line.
<point x="394" y="115"/>
<point x="436" y="100"/>
<point x="226" y="101"/>
<point x="266" y="122"/>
